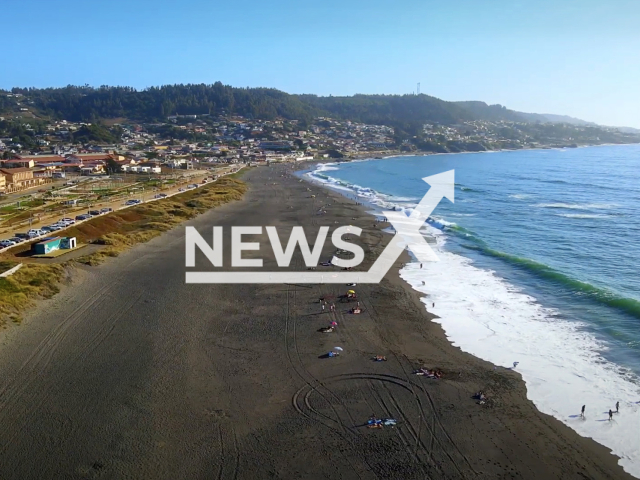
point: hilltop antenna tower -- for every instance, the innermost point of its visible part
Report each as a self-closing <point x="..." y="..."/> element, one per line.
<point x="418" y="88"/>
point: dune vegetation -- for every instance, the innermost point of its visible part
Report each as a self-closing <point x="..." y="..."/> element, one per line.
<point x="116" y="233"/>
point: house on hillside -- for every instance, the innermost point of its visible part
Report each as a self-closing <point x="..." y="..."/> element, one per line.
<point x="149" y="167"/>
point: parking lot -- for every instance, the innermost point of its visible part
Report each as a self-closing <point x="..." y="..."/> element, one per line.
<point x="46" y="227"/>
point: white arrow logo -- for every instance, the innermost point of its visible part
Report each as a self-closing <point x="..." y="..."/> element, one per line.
<point x="407" y="235"/>
<point x="442" y="185"/>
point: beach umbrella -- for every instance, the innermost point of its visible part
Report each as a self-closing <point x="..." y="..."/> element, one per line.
<point x="351" y="291"/>
<point x="338" y="348"/>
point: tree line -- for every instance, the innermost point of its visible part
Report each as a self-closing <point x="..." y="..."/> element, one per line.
<point x="89" y="104"/>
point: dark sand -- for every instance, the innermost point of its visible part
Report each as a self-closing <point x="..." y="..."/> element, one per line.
<point x="129" y="373"/>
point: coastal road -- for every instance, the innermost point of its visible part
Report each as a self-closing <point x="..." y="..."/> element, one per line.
<point x="41" y="220"/>
<point x="129" y="373"/>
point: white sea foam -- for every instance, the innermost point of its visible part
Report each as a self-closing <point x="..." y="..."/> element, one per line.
<point x="576" y="206"/>
<point x="439" y="222"/>
<point x="582" y="215"/>
<point x="561" y="363"/>
<point x="521" y="196"/>
<point x="323" y="167"/>
<point x="400" y="199"/>
<point x="384" y="202"/>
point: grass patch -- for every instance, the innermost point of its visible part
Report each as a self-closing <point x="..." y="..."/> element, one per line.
<point x="237" y="175"/>
<point x="122" y="230"/>
<point x="32" y="281"/>
<point x="118" y="232"/>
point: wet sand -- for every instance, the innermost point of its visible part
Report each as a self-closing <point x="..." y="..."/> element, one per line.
<point x="131" y="373"/>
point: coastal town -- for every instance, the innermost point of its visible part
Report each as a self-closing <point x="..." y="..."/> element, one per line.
<point x="34" y="152"/>
<point x="53" y="167"/>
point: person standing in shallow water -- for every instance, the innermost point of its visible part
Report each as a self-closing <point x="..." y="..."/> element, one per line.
<point x="582" y="412"/>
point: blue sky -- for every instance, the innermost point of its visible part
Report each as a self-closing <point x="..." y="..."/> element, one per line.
<point x="579" y="58"/>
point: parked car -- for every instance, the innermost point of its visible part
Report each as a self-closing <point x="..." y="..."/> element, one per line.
<point x="66" y="221"/>
<point x="17" y="240"/>
<point x="133" y="202"/>
<point x="94" y="213"/>
<point x="35" y="232"/>
<point x="24" y="236"/>
<point x="106" y="210"/>
<point x="181" y="189"/>
<point x="52" y="228"/>
<point x="6" y="243"/>
<point x="82" y="217"/>
<point x="193" y="185"/>
<point x="160" y="195"/>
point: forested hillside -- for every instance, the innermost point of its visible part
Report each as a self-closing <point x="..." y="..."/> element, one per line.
<point x="156" y="103"/>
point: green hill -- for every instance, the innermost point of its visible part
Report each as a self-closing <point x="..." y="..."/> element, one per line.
<point x="156" y="103"/>
<point x="406" y="113"/>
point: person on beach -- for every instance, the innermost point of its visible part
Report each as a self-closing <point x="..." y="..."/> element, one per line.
<point x="323" y="307"/>
<point x="582" y="412"/>
<point x="617" y="407"/>
<point x="420" y="265"/>
<point x="610" y="414"/>
<point x="433" y="305"/>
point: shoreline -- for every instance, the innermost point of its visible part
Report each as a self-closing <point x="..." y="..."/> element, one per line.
<point x="228" y="381"/>
<point x="374" y="155"/>
<point x="404" y="274"/>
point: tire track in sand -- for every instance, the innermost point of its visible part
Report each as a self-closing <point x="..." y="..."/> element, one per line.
<point x="44" y="360"/>
<point x="437" y="423"/>
<point x="314" y="385"/>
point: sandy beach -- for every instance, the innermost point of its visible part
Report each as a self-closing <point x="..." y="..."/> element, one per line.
<point x="131" y="373"/>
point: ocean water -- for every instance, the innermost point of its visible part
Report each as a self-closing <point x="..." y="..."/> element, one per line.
<point x="539" y="263"/>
